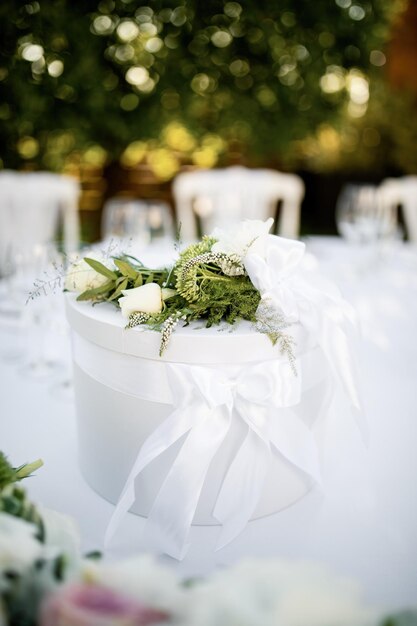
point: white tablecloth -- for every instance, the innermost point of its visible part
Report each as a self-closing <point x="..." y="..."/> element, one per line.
<point x="374" y="541"/>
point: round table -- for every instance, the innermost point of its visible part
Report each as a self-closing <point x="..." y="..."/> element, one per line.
<point x="371" y="537"/>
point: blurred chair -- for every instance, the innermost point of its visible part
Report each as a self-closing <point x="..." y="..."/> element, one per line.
<point x="401" y="193"/>
<point x="205" y="199"/>
<point x="34" y="207"/>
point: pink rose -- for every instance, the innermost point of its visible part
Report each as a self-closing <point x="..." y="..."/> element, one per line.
<point x="91" y="605"/>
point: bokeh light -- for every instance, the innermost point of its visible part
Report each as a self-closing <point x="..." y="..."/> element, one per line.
<point x="185" y="84"/>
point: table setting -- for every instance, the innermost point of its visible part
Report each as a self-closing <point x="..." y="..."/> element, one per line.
<point x="208" y="305"/>
<point x="360" y="522"/>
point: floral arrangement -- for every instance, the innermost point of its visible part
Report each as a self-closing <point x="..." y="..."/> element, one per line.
<point x="45" y="581"/>
<point x="209" y="281"/>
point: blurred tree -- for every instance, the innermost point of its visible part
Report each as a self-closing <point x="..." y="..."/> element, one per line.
<point x="189" y="81"/>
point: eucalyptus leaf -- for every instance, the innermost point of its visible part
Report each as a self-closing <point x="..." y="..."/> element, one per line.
<point x="89" y="294"/>
<point x="119" y="290"/>
<point x="100" y="268"/>
<point x="139" y="280"/>
<point x="125" y="268"/>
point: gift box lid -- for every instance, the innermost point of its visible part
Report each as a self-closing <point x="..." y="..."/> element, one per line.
<point x="104" y="325"/>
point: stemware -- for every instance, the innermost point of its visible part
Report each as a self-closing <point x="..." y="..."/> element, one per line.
<point x="361" y="216"/>
<point x="357" y="214"/>
<point x="141" y="222"/>
<point x="369" y="227"/>
<point x="43" y="266"/>
<point x="20" y="263"/>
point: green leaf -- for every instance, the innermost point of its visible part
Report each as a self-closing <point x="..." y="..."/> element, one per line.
<point x="149" y="279"/>
<point x="89" y="294"/>
<point x="26" y="470"/>
<point x="119" y="290"/>
<point x="125" y="268"/>
<point x="100" y="268"/>
<point x="139" y="280"/>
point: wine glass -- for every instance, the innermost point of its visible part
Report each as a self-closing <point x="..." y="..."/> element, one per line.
<point x="359" y="214"/>
<point x="19" y="267"/>
<point x="366" y="224"/>
<point x="43" y="266"/>
<point x="139" y="222"/>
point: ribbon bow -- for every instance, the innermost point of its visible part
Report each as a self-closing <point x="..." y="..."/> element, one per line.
<point x="314" y="302"/>
<point x="272" y="275"/>
<point x="206" y="401"/>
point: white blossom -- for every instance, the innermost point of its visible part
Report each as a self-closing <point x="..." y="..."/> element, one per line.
<point x="61" y="535"/>
<point x="249" y="234"/>
<point x="80" y="276"/>
<point x="144" y="299"/>
<point x="18" y="546"/>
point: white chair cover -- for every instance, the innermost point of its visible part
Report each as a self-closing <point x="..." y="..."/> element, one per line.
<point x="395" y="192"/>
<point x="31" y="205"/>
<point x="223" y="197"/>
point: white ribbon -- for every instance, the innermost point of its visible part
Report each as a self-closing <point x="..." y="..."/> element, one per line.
<point x="315" y="303"/>
<point x="206" y="401"/>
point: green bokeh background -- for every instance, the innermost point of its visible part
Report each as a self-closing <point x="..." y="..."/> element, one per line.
<point x="229" y="80"/>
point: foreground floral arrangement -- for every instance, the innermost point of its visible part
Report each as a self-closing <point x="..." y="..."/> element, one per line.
<point x="45" y="581"/>
<point x="209" y="281"/>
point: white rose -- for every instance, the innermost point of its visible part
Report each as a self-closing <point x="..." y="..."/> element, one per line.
<point x="250" y="234"/>
<point x="81" y="277"/>
<point x="144" y="299"/>
<point x="62" y="534"/>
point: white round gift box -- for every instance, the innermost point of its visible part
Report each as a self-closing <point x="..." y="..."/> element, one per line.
<point x="115" y="420"/>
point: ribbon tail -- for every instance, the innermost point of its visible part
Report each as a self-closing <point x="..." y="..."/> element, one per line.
<point x="331" y="321"/>
<point x="173" y="428"/>
<point x="173" y="511"/>
<point x="294" y="440"/>
<point x="242" y="487"/>
<point x="334" y="340"/>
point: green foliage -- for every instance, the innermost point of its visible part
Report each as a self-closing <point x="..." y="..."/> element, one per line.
<point x="95" y="76"/>
<point x="404" y="618"/>
<point x="21" y="593"/>
<point x="7" y="473"/>
<point x="200" y="289"/>
<point x="209" y="292"/>
<point x="194" y="250"/>
<point x="226" y="297"/>
<point x="100" y="268"/>
<point x="14" y="501"/>
<point x="130" y="273"/>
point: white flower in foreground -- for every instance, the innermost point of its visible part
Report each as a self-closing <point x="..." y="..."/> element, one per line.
<point x="140" y="578"/>
<point x="61" y="535"/>
<point x="144" y="299"/>
<point x="18" y="546"/>
<point x="249" y="234"/>
<point x="271" y="593"/>
<point x="80" y="276"/>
